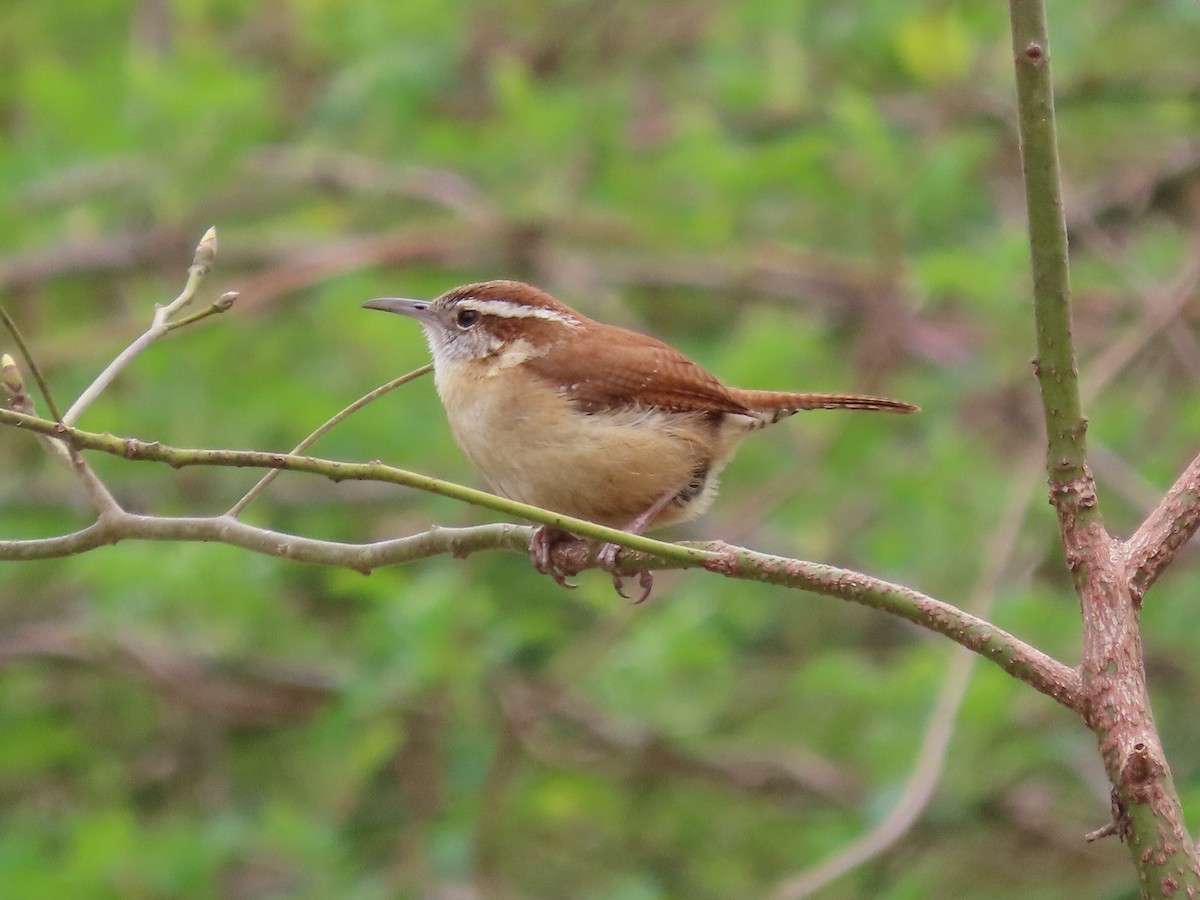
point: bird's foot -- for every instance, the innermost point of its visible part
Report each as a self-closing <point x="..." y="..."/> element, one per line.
<point x="541" y="553"/>
<point x="607" y="559"/>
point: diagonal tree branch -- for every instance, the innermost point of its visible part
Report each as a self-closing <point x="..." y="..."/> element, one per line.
<point x="1166" y="529"/>
<point x="1047" y="675"/>
<point x="1014" y="656"/>
<point x="18" y="399"/>
<point x="324" y="428"/>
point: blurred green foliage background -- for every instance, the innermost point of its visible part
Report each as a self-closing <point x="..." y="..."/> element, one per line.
<point x="802" y="195"/>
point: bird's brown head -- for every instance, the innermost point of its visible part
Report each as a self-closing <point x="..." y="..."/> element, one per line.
<point x="476" y="321"/>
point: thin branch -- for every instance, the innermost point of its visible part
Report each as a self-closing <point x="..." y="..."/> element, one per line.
<point x="1166" y="529"/>
<point x="101" y="497"/>
<point x="20" y="401"/>
<point x="206" y="250"/>
<point x="1013" y="655"/>
<point x="31" y="363"/>
<point x="133" y="449"/>
<point x="1028" y="664"/>
<point x="237" y="509"/>
<point x="1055" y="361"/>
<point x="224" y="303"/>
<point x="126" y="526"/>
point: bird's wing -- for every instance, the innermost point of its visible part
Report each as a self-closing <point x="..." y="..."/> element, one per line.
<point x="611" y="368"/>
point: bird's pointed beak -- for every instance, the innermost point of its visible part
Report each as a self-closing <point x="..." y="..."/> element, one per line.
<point x="417" y="309"/>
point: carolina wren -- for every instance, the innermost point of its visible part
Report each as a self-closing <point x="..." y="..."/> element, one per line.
<point x="586" y="419"/>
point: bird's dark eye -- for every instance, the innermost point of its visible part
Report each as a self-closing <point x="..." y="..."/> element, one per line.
<point x="467" y="317"/>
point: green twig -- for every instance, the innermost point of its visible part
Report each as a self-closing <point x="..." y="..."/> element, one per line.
<point x="220" y="305"/>
<point x="133" y="449"/>
<point x="19" y="399"/>
<point x="1054" y="364"/>
<point x="1013" y="655"/>
<point x="324" y="428"/>
<point x="31" y="363"/>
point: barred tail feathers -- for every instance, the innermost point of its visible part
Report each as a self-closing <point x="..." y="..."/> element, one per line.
<point x="775" y="405"/>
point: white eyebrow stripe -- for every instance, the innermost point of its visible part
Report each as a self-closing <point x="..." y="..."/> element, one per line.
<point x="507" y="310"/>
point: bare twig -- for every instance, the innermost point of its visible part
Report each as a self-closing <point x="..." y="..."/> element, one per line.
<point x="34" y="369"/>
<point x="1019" y="659"/>
<point x="133" y="449"/>
<point x="237" y="509"/>
<point x="222" y="304"/>
<point x="101" y="497"/>
<point x="159" y="326"/>
<point x="1166" y="529"/>
<point x="20" y="401"/>
<point x="125" y="526"/>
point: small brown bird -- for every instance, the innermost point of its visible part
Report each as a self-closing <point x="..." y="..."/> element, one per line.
<point x="590" y="420"/>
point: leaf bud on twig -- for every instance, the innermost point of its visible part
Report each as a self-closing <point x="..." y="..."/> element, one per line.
<point x="11" y="375"/>
<point x="206" y="250"/>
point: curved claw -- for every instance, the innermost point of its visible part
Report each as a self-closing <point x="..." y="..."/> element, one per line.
<point x="607" y="559"/>
<point x="541" y="548"/>
<point x="561" y="580"/>
<point x="618" y="583"/>
<point x="646" y="583"/>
